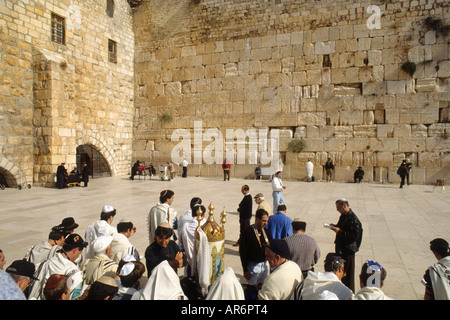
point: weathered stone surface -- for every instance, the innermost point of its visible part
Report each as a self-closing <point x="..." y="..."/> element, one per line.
<point x="282" y="66"/>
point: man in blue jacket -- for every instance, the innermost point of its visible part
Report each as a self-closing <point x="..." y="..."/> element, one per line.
<point x="280" y="225"/>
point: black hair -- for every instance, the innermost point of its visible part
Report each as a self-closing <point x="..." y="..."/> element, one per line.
<point x="124" y="226"/>
<point x="131" y="279"/>
<point x="365" y="275"/>
<point x="333" y="262"/>
<point x="165" y="194"/>
<point x="99" y="291"/>
<point x="106" y="215"/>
<point x="194" y="201"/>
<point x="281" y="207"/>
<point x="299" y="225"/>
<point x="163" y="232"/>
<point x="440" y="246"/>
<point x="260" y="213"/>
<point x="342" y="201"/>
<point x="196" y="208"/>
<point x="56" y="233"/>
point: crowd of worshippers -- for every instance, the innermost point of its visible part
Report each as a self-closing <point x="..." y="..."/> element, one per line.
<point x="277" y="258"/>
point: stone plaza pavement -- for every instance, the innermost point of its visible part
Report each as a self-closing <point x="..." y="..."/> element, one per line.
<point x="398" y="223"/>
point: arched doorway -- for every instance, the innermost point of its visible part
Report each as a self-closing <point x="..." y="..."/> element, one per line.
<point x="98" y="166"/>
<point x="7" y="180"/>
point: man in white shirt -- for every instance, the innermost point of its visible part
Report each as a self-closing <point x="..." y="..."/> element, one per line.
<point x="160" y="213"/>
<point x="187" y="216"/>
<point x="277" y="191"/>
<point x="121" y="245"/>
<point x="285" y="275"/>
<point x="309" y="170"/>
<point x="185" y="165"/>
<point x="436" y="278"/>
<point x="187" y="238"/>
<point x="46" y="249"/>
<point x="318" y="285"/>
<point x="100" y="264"/>
<point x="101" y="227"/>
<point x="62" y="263"/>
<point x="371" y="281"/>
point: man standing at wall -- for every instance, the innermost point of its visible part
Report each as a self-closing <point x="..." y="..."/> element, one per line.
<point x="349" y="233"/>
<point x="226" y="166"/>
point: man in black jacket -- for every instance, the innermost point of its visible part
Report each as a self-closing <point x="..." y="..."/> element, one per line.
<point x="349" y="233"/>
<point x="61" y="176"/>
<point x="245" y="211"/>
<point x="251" y="249"/>
<point x="85" y="174"/>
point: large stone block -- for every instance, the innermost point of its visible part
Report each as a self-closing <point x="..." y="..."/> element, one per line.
<point x="374" y="88"/>
<point x="384" y="159"/>
<point x="411" y="144"/>
<point x="426" y="85"/>
<point x="324" y="47"/>
<point x="357" y="144"/>
<point x="312" y="118"/>
<point x="334" y="144"/>
<point x="394" y="87"/>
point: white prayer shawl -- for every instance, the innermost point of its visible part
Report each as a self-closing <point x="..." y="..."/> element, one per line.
<point x="182" y="220"/>
<point x="226" y="287"/>
<point x="99" y="228"/>
<point x="439" y="274"/>
<point x="59" y="264"/>
<point x="317" y="282"/>
<point x="121" y="247"/>
<point x="41" y="252"/>
<point x="202" y="258"/>
<point x="281" y="282"/>
<point x="158" y="214"/>
<point x="163" y="284"/>
<point x="309" y="169"/>
<point x="186" y="237"/>
<point x="98" y="266"/>
<point x="371" y="293"/>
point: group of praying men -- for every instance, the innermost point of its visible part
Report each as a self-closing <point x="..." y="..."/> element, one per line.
<point x="107" y="266"/>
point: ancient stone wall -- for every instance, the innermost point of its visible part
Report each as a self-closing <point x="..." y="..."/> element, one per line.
<point x="365" y="86"/>
<point x="55" y="97"/>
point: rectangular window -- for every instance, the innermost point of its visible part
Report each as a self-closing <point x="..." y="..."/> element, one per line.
<point x="58" y="29"/>
<point x="112" y="51"/>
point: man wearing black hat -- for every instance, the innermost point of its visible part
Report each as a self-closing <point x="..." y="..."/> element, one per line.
<point x="85" y="174"/>
<point x="22" y="273"/>
<point x="69" y="225"/>
<point x="65" y="262"/>
<point x="245" y="211"/>
<point x="61" y="176"/>
<point x="436" y="278"/>
<point x="284" y="276"/>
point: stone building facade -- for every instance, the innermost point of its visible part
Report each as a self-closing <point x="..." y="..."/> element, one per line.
<point x="66" y="83"/>
<point x="365" y="83"/>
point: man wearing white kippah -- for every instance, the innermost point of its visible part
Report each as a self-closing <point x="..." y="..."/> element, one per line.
<point x="101" y="227"/>
<point x="130" y="273"/>
<point x="100" y="264"/>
